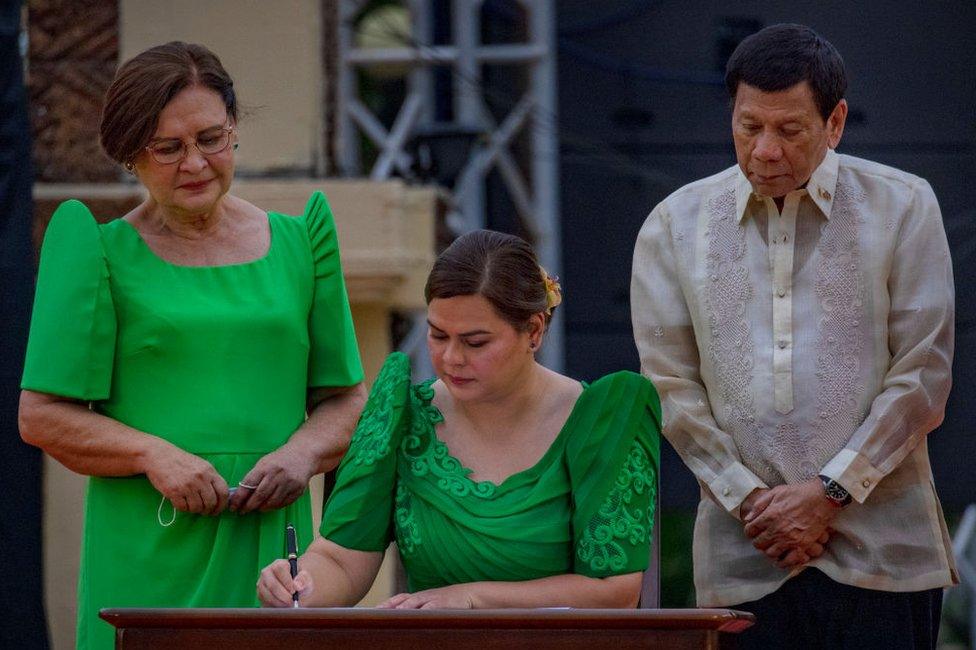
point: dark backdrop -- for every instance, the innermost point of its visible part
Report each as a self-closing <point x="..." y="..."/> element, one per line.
<point x="21" y="602"/>
<point x="643" y="111"/>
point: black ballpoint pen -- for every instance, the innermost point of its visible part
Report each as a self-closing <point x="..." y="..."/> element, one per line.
<point x="291" y="546"/>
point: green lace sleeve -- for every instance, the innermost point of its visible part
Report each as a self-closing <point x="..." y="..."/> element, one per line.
<point x="359" y="513"/>
<point x="613" y="463"/>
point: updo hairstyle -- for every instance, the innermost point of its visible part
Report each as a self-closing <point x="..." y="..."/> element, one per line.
<point x="502" y="268"/>
<point x="146" y="83"/>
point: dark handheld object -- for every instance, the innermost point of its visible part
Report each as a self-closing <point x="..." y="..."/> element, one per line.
<point x="291" y="546"/>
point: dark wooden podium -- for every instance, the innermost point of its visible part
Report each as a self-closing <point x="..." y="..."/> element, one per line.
<point x="378" y="629"/>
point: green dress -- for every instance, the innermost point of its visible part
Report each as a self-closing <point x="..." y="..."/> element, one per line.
<point x="585" y="507"/>
<point x="216" y="360"/>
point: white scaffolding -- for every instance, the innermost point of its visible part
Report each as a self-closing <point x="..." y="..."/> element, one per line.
<point x="535" y="194"/>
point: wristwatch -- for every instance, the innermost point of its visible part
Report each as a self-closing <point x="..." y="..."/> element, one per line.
<point x="835" y="492"/>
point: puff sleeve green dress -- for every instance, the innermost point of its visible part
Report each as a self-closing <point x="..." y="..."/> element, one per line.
<point x="586" y="507"/>
<point x="217" y="360"/>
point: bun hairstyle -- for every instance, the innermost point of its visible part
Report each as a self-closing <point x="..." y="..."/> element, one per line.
<point x="146" y="83"/>
<point x="502" y="268"/>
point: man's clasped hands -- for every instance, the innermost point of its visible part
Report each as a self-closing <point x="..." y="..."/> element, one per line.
<point x="790" y="524"/>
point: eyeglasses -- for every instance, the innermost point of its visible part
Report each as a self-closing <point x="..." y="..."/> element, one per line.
<point x="210" y="142"/>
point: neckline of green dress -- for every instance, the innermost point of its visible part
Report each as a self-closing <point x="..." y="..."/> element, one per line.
<point x="487" y="488"/>
<point x="152" y="254"/>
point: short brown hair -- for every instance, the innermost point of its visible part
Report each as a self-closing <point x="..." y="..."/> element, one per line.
<point x="501" y="268"/>
<point x="146" y="83"/>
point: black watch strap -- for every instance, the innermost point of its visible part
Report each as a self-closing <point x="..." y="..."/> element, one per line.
<point x="835" y="492"/>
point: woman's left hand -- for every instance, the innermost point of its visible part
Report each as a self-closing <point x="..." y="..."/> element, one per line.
<point x="274" y="482"/>
<point x="450" y="597"/>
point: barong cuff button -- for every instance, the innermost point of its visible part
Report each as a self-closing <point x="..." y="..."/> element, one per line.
<point x="866" y="483"/>
<point x="782" y="345"/>
<point x="726" y="492"/>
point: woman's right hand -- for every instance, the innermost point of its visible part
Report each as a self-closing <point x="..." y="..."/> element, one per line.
<point x="188" y="481"/>
<point x="276" y="586"/>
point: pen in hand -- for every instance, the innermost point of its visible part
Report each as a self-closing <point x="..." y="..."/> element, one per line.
<point x="291" y="546"/>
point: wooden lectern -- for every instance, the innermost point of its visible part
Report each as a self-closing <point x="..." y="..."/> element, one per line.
<point x="379" y="629"/>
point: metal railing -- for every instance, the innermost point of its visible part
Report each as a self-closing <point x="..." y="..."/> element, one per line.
<point x="534" y="192"/>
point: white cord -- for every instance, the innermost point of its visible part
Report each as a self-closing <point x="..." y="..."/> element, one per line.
<point x="159" y="514"/>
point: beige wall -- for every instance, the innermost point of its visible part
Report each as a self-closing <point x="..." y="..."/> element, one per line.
<point x="270" y="48"/>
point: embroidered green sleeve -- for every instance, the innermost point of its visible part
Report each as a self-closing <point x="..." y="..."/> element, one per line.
<point x="407" y="533"/>
<point x="623" y="523"/>
<point x="375" y="430"/>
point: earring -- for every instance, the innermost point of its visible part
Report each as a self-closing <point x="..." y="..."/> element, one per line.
<point x="128" y="166"/>
<point x="236" y="145"/>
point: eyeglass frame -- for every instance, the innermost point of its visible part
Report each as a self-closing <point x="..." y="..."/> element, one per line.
<point x="229" y="130"/>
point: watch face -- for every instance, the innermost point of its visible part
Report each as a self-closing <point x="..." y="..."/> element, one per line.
<point x="834" y="491"/>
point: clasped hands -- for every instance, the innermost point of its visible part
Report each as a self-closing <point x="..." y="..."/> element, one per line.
<point x="193" y="485"/>
<point x="790" y="524"/>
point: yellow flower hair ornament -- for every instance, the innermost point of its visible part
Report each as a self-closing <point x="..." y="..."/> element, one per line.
<point x="554" y="291"/>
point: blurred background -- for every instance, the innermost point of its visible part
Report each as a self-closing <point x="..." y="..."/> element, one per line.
<point x="562" y="121"/>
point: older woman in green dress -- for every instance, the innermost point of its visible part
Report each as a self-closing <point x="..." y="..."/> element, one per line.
<point x="196" y="358"/>
<point x="503" y="483"/>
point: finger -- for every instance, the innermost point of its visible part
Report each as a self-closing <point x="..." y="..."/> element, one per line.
<point x="246" y="487"/>
<point x="259" y="497"/>
<point x="265" y="596"/>
<point x="759" y="505"/>
<point x="430" y="604"/>
<point x="275" y="499"/>
<point x="276" y="577"/>
<point x="393" y="601"/>
<point x="794" y="558"/>
<point x="776" y="550"/>
<point x="209" y="499"/>
<point x="814" y="550"/>
<point x="413" y="602"/>
<point x="194" y="502"/>
<point x="304" y="584"/>
<point x="223" y="494"/>
<point x="253" y="499"/>
<point x="271" y="594"/>
<point x="188" y="502"/>
<point x="262" y="594"/>
<point x="292" y="496"/>
<point x="236" y="500"/>
<point x="282" y="572"/>
<point x="180" y="503"/>
<point x="763" y="541"/>
<point x="824" y="537"/>
<point x="757" y="526"/>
